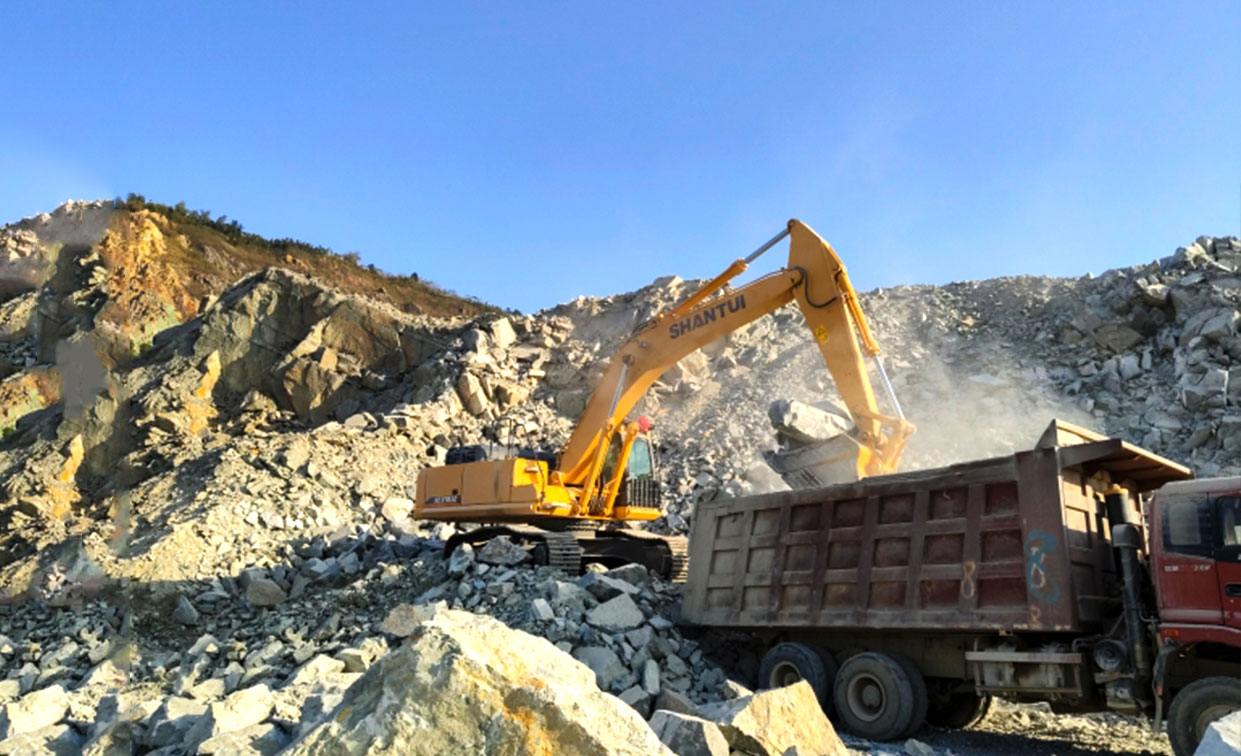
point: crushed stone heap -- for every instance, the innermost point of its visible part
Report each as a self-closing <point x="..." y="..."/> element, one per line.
<point x="206" y="481"/>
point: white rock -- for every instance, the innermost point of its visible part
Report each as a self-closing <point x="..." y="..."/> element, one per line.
<point x="169" y="725"/>
<point x="242" y="709"/>
<point x="319" y="667"/>
<point x="56" y="740"/>
<point x="471" y="393"/>
<point x="35" y="711"/>
<point x="502" y="333"/>
<point x="541" y="611"/>
<point x="260" y="739"/>
<point x="1222" y="738"/>
<point x="650" y="677"/>
<point x="461" y="559"/>
<point x="1130" y="367"/>
<point x="617" y="614"/>
<point x="502" y="551"/>
<point x="466" y="683"/>
<point x="397" y="508"/>
<point x="775" y="722"/>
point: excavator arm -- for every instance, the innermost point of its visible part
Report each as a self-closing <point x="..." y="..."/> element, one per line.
<point x="816" y="279"/>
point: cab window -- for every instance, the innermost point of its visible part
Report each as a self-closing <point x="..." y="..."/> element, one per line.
<point x="613" y="456"/>
<point x="640" y="463"/>
<point x="1230" y="521"/>
<point x="1188" y="527"/>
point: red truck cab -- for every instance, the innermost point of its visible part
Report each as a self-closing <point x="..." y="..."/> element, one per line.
<point x="1195" y="563"/>
<point x="1195" y="554"/>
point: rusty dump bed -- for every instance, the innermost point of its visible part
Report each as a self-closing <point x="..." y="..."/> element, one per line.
<point x="1013" y="543"/>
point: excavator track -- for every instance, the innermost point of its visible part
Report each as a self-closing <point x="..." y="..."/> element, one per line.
<point x="582" y="542"/>
<point x="550" y="547"/>
<point x="673" y="550"/>
<point x="679" y="545"/>
<point x="563" y="551"/>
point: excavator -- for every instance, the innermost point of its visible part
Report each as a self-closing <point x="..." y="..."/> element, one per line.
<point x="574" y="507"/>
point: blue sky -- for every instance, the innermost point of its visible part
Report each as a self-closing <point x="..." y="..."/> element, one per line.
<point x="526" y="153"/>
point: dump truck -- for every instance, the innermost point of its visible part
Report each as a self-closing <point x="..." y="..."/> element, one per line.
<point x="1086" y="572"/>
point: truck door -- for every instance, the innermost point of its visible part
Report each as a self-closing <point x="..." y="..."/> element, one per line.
<point x="1187" y="579"/>
<point x="1228" y="558"/>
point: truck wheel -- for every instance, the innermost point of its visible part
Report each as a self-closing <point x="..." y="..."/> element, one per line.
<point x="787" y="663"/>
<point x="1196" y="706"/>
<point x="921" y="699"/>
<point x="959" y="711"/>
<point x="874" y="697"/>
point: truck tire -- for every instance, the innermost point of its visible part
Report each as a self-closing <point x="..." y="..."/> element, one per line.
<point x="786" y="663"/>
<point x="1196" y="706"/>
<point x="874" y="697"/>
<point x="921" y="698"/>
<point x="959" y="711"/>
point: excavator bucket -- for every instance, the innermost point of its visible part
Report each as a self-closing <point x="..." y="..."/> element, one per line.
<point x="817" y="463"/>
<point x="818" y="444"/>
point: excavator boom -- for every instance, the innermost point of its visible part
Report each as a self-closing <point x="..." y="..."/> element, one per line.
<point x="817" y="280"/>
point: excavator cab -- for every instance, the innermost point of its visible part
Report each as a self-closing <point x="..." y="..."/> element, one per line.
<point x="628" y="475"/>
<point x="640" y="486"/>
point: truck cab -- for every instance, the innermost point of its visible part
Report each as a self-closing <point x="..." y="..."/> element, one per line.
<point x="1196" y="559"/>
<point x="1195" y="564"/>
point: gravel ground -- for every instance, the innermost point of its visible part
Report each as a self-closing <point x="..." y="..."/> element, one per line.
<point x="1032" y="730"/>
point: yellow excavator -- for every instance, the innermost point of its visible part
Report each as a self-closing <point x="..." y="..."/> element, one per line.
<point x="572" y="507"/>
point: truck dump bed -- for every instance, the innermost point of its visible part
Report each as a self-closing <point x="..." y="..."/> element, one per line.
<point x="1011" y="543"/>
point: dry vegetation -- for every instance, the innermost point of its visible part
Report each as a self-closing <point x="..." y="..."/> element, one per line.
<point x="218" y="251"/>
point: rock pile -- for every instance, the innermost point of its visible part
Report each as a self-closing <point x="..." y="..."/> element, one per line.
<point x="218" y="502"/>
<point x="257" y="661"/>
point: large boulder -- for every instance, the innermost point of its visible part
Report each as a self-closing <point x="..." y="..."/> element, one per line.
<point x="465" y="683"/>
<point x="804" y="423"/>
<point x="470" y="390"/>
<point x="779" y="722"/>
<point x="242" y="710"/>
<point x="57" y="740"/>
<point x="35" y="711"/>
<point x="616" y="615"/>
<point x="502" y="333"/>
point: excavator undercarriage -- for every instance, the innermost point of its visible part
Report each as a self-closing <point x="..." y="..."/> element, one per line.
<point x="572" y="544"/>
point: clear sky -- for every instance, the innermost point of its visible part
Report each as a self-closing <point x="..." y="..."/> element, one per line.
<point x="526" y="153"/>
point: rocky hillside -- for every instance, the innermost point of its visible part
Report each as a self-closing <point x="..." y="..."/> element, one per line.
<point x="118" y="273"/>
<point x="209" y="456"/>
